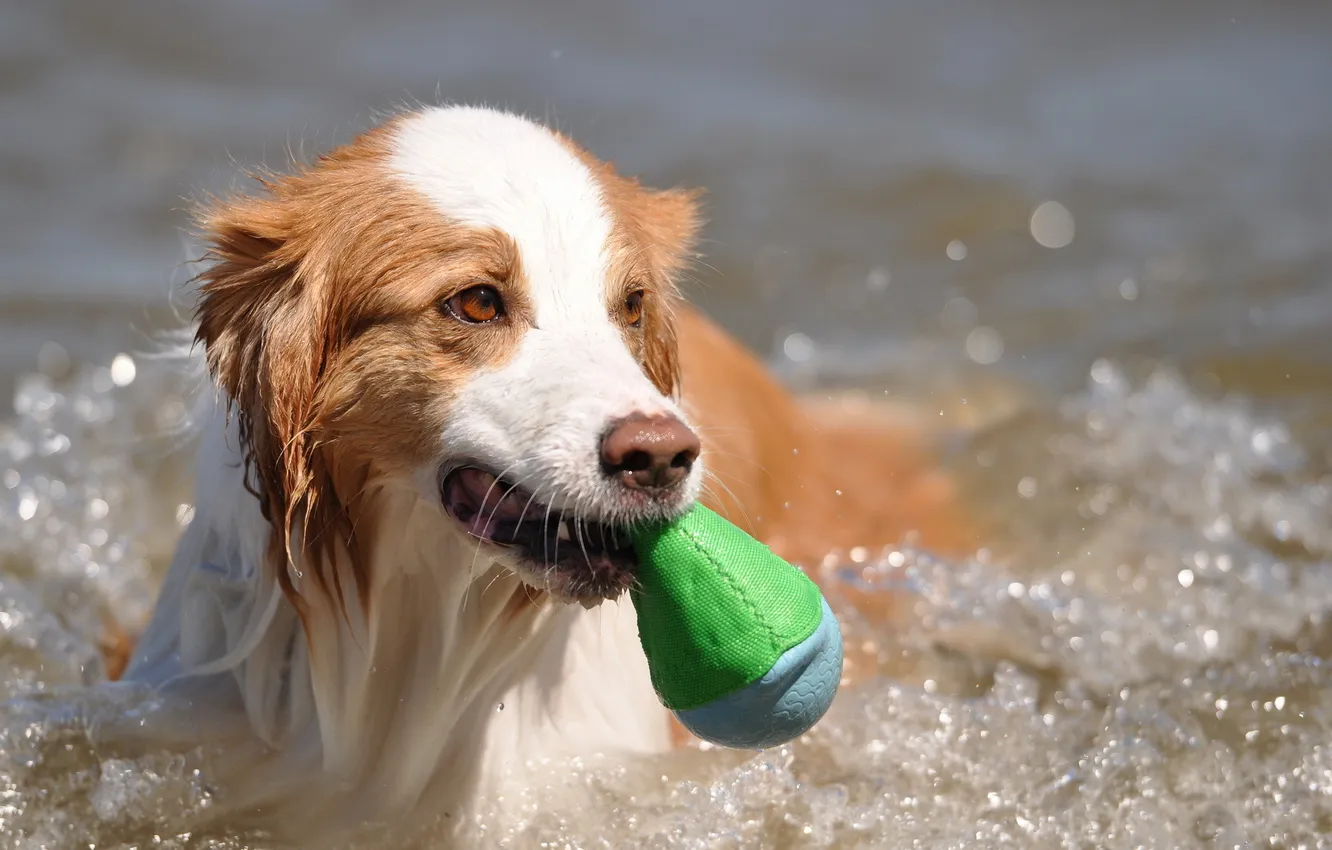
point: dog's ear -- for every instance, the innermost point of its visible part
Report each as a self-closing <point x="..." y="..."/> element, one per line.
<point x="261" y="320"/>
<point x="668" y="224"/>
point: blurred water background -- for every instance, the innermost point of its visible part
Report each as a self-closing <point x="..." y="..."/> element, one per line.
<point x="1093" y="236"/>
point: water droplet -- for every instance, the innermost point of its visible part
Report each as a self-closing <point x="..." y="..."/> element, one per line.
<point x="1027" y="487"/>
<point x="1185" y="578"/>
<point x="123" y="370"/>
<point x="959" y="314"/>
<point x="1128" y="289"/>
<point x="501" y="707"/>
<point x="956" y="250"/>
<point x="985" y="346"/>
<point x="1102" y="371"/>
<point x="27" y="507"/>
<point x="1052" y="225"/>
<point x="798" y="348"/>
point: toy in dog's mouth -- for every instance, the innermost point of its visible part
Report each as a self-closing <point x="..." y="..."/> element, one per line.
<point x="570" y="556"/>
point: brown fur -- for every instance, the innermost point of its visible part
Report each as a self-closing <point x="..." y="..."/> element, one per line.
<point x="320" y="315"/>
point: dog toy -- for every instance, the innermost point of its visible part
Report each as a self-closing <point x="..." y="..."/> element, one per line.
<point x="741" y="646"/>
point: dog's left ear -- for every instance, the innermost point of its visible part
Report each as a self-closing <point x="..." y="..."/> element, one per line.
<point x="668" y="223"/>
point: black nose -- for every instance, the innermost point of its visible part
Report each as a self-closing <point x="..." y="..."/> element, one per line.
<point x="649" y="453"/>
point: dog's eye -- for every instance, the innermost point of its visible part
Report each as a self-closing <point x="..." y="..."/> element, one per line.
<point x="633" y="308"/>
<point x="477" y="305"/>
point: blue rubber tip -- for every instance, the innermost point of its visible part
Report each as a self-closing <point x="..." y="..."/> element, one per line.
<point x="782" y="705"/>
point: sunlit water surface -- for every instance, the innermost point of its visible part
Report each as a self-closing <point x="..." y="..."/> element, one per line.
<point x="1091" y="237"/>
<point x="1151" y="674"/>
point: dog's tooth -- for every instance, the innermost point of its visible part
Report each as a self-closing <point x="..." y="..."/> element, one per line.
<point x="563" y="532"/>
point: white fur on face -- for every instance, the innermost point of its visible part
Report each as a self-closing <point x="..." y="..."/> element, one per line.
<point x="387" y="711"/>
<point x="539" y="419"/>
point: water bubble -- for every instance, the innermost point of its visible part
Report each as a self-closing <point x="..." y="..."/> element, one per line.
<point x="1052" y="225"/>
<point x="985" y="346"/>
<point x="122" y="370"/>
<point x="958" y="314"/>
<point x="798" y="348"/>
<point x="1103" y="371"/>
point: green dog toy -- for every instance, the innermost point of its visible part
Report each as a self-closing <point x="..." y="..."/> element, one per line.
<point x="741" y="645"/>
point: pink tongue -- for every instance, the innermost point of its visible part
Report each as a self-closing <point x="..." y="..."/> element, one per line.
<point x="478" y="493"/>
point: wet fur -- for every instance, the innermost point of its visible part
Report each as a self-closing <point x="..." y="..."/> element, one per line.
<point x="320" y="592"/>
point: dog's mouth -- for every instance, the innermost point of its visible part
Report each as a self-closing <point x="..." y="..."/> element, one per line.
<point x="570" y="556"/>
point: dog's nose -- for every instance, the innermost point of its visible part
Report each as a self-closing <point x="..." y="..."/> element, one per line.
<point x="649" y="453"/>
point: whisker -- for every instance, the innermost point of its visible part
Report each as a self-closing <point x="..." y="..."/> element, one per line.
<point x="717" y="480"/>
<point x="476" y="553"/>
<point x="523" y="516"/>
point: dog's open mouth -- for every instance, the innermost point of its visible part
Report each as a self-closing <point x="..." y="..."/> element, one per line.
<point x="578" y="558"/>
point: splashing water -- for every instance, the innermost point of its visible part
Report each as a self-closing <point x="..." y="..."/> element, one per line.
<point x="1153" y="677"/>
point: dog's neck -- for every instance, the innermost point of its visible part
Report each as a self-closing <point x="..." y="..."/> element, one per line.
<point x="411" y="679"/>
<point x="446" y="676"/>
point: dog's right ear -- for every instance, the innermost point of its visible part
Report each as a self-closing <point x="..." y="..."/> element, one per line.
<point x="243" y="290"/>
<point x="260" y="316"/>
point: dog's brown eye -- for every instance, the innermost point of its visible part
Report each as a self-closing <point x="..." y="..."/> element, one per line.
<point x="633" y="308"/>
<point x="477" y="305"/>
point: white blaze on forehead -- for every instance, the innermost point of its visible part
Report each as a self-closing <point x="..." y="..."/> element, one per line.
<point x="492" y="169"/>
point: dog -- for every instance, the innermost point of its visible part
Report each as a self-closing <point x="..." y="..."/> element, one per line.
<point x="448" y="363"/>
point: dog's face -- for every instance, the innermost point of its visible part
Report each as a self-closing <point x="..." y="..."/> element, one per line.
<point x="466" y="304"/>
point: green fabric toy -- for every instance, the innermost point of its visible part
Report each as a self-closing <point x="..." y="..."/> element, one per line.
<point x="741" y="645"/>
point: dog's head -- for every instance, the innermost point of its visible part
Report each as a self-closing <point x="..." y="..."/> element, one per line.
<point x="467" y="304"/>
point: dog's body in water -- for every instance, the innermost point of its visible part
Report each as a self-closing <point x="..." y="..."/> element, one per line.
<point x="448" y="365"/>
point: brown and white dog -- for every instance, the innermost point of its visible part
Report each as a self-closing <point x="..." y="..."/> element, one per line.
<point x="451" y="364"/>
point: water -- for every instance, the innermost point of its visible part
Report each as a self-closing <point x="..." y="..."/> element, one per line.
<point x="1139" y="658"/>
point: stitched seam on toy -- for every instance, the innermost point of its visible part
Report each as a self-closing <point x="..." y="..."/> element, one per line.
<point x="772" y="636"/>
